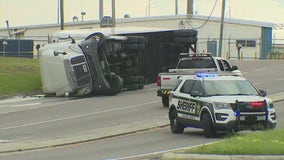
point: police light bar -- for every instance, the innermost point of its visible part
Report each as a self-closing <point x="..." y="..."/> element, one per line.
<point x="203" y="75"/>
<point x="195" y="54"/>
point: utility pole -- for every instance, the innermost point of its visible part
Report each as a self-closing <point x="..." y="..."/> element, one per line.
<point x="176" y="5"/>
<point x="113" y="13"/>
<point x="221" y="29"/>
<point x="189" y="7"/>
<point x="61" y="14"/>
<point x="101" y="9"/>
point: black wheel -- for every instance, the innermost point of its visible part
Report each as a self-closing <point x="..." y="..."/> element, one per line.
<point x="165" y="100"/>
<point x="115" y="69"/>
<point x="141" y="79"/>
<point x="185" y="33"/>
<point x="134" y="46"/>
<point x="131" y="87"/>
<point x="207" y="125"/>
<point x="134" y="39"/>
<point x="141" y="85"/>
<point x="131" y="80"/>
<point x="116" y="84"/>
<point x="176" y="126"/>
<point x="186" y="39"/>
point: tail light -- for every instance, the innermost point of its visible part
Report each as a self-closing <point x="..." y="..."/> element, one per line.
<point x="159" y="81"/>
<point x="257" y="104"/>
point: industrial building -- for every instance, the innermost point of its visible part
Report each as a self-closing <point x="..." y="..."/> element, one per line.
<point x="241" y="38"/>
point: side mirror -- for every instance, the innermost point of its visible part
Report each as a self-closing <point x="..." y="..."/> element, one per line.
<point x="234" y="68"/>
<point x="195" y="94"/>
<point x="263" y="93"/>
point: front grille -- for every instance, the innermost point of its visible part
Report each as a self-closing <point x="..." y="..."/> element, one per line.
<point x="84" y="81"/>
<point x="246" y="107"/>
<point x="77" y="60"/>
<point x="81" y="71"/>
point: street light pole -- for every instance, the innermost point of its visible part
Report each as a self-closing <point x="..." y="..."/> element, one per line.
<point x="61" y="14"/>
<point x="221" y="29"/>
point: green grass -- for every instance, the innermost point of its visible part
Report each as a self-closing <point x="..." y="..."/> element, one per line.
<point x="19" y="76"/>
<point x="270" y="142"/>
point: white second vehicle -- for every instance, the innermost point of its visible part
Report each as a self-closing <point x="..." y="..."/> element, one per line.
<point x="219" y="103"/>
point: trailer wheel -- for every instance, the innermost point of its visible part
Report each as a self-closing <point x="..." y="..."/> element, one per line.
<point x="141" y="79"/>
<point x="135" y="39"/>
<point x="134" y="46"/>
<point x="185" y="33"/>
<point x="186" y="39"/>
<point x="140" y="85"/>
<point x="131" y="80"/>
<point x="131" y="87"/>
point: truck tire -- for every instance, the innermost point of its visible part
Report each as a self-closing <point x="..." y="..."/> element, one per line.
<point x="135" y="39"/>
<point x="131" y="87"/>
<point x="131" y="80"/>
<point x="176" y="126"/>
<point x="207" y="125"/>
<point x="116" y="84"/>
<point x="186" y="39"/>
<point x="134" y="46"/>
<point x="141" y="79"/>
<point x="140" y="85"/>
<point x="185" y="33"/>
<point x="165" y="100"/>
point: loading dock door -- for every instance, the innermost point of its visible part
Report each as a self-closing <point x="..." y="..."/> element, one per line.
<point x="212" y="47"/>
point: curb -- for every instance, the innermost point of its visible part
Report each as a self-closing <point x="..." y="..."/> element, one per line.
<point x="171" y="156"/>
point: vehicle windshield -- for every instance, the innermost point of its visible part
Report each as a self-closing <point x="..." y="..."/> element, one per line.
<point x="197" y="62"/>
<point x="226" y="87"/>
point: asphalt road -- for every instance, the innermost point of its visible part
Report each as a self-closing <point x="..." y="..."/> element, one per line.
<point x="133" y="146"/>
<point x="36" y="119"/>
<point x="267" y="74"/>
<point x="57" y="119"/>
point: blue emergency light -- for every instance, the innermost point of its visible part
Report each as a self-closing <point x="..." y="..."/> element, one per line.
<point x="203" y="75"/>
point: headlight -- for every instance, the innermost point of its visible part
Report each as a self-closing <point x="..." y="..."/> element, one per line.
<point x="219" y="105"/>
<point x="270" y="105"/>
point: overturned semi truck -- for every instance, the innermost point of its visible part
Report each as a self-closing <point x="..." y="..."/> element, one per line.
<point x="108" y="60"/>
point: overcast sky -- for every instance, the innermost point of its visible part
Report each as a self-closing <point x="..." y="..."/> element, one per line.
<point x="31" y="12"/>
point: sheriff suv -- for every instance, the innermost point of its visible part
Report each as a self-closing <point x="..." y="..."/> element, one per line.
<point x="216" y="103"/>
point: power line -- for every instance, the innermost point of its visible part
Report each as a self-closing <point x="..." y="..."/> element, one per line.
<point x="206" y="21"/>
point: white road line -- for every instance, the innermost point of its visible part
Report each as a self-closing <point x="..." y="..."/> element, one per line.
<point x="276" y="66"/>
<point x="4" y="141"/>
<point x="78" y="116"/>
<point x="28" y="104"/>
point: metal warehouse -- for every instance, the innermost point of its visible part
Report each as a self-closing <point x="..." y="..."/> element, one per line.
<point x="242" y="39"/>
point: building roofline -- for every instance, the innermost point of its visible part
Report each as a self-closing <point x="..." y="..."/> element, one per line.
<point x="152" y="18"/>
